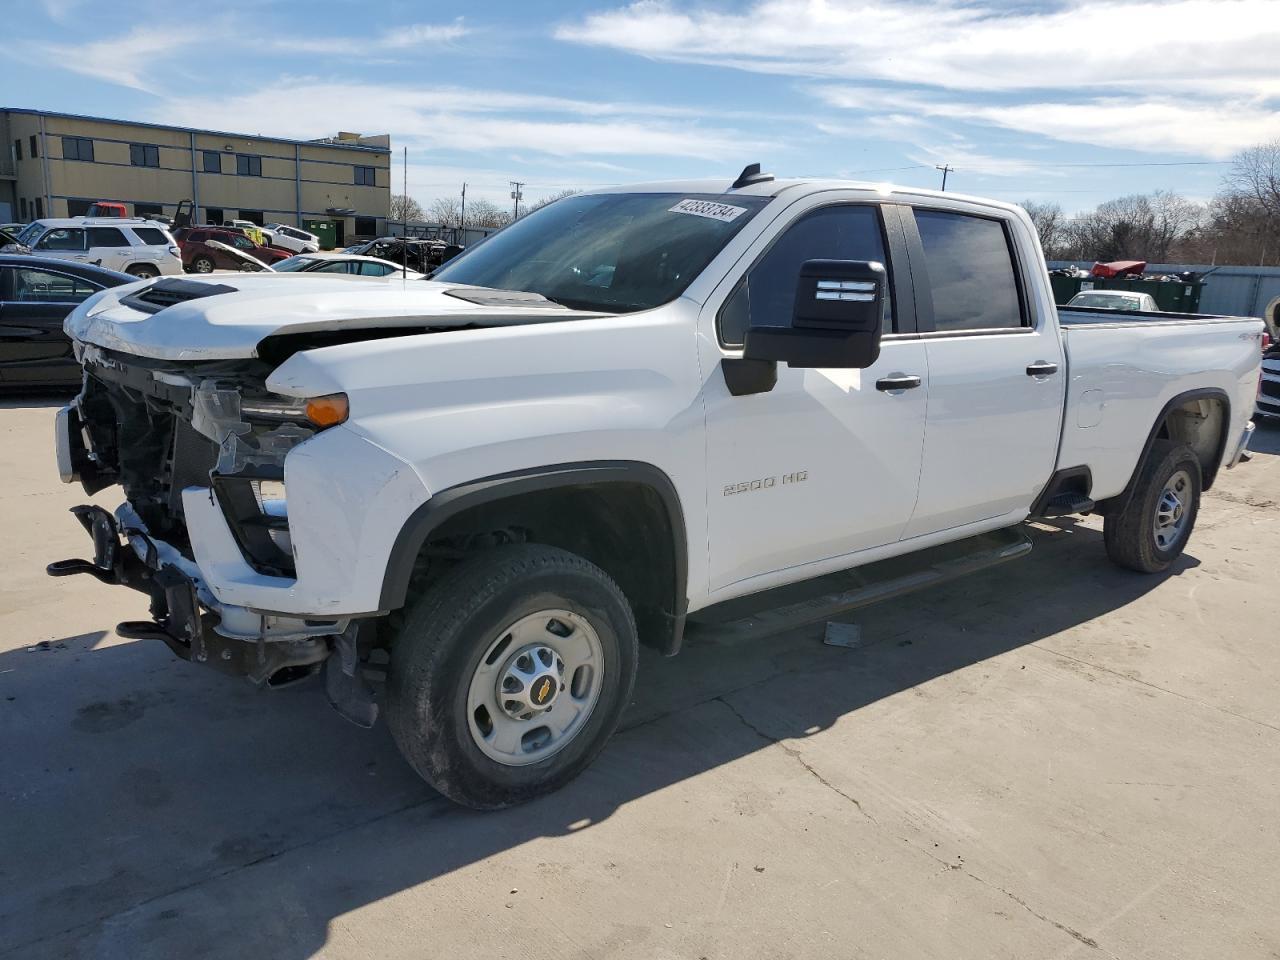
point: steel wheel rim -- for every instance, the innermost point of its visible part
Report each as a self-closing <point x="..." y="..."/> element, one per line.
<point x="506" y="720"/>
<point x="1173" y="507"/>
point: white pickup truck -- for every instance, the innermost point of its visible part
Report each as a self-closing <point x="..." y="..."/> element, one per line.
<point x="631" y="410"/>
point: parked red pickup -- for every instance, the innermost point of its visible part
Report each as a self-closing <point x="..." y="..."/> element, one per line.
<point x="199" y="257"/>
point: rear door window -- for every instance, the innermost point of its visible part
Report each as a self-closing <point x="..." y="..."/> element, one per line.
<point x="971" y="272"/>
<point x="767" y="296"/>
<point x="107" y="237"/>
<point x="151" y="236"/>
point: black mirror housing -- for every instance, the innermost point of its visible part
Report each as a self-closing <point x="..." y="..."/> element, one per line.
<point x="836" y="320"/>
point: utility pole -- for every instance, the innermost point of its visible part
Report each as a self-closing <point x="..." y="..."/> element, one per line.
<point x="462" y="219"/>
<point x="945" y="168"/>
<point x="516" y="196"/>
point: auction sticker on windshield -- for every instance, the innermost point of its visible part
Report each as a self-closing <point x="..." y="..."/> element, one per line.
<point x="709" y="209"/>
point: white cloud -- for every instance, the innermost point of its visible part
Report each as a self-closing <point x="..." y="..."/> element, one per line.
<point x="471" y="120"/>
<point x="1183" y="75"/>
<point x="1207" y="45"/>
<point x="126" y="60"/>
<point x="1155" y="124"/>
<point x="407" y="37"/>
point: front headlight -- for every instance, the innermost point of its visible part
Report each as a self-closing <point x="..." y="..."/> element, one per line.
<point x="320" y="412"/>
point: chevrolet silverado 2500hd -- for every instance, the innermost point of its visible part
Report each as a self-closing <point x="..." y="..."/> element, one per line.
<point x="613" y="417"/>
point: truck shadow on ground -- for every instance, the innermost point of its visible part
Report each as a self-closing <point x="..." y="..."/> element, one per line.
<point x="156" y="810"/>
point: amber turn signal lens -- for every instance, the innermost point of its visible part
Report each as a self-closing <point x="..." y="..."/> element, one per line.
<point x="328" y="411"/>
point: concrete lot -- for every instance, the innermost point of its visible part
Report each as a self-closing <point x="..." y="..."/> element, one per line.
<point x="1056" y="758"/>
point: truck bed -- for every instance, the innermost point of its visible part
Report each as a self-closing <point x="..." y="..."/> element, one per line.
<point x="1125" y="367"/>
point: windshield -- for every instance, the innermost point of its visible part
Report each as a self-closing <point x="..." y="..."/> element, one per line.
<point x="30" y="233"/>
<point x="1108" y="301"/>
<point x="292" y="264"/>
<point x="616" y="252"/>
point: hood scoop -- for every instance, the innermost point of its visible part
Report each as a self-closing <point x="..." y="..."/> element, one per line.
<point x="170" y="291"/>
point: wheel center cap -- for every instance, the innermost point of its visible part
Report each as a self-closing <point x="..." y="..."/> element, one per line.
<point x="530" y="683"/>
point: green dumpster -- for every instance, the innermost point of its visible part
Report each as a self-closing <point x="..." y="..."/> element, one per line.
<point x="325" y="230"/>
<point x="1171" y="296"/>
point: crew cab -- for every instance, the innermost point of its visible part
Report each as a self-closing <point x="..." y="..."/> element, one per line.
<point x="632" y="412"/>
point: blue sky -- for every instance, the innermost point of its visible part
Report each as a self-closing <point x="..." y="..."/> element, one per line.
<point x="1025" y="100"/>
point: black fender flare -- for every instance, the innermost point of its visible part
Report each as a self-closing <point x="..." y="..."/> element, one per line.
<point x="454" y="500"/>
<point x="1204" y="393"/>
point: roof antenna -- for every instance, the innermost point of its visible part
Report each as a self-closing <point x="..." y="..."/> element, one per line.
<point x="751" y="174"/>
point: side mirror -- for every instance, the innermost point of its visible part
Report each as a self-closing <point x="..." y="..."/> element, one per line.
<point x="835" y="321"/>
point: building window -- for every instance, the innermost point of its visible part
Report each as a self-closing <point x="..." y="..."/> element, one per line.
<point x="17" y="149"/>
<point x="147" y="209"/>
<point x="248" y="166"/>
<point x="366" y="226"/>
<point x="365" y="177"/>
<point x="253" y="216"/>
<point x="78" y="208"/>
<point x="212" y="161"/>
<point x="77" y="148"/>
<point x="22" y="209"/>
<point x="39" y="208"/>
<point x="35" y="151"/>
<point x="144" y="155"/>
<point x="212" y="215"/>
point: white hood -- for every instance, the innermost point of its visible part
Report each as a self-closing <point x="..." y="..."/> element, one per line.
<point x="236" y="312"/>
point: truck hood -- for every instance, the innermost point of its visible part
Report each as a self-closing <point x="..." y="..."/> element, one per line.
<point x="226" y="317"/>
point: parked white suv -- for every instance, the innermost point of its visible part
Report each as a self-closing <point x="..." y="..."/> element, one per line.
<point x="141" y="248"/>
<point x="291" y="238"/>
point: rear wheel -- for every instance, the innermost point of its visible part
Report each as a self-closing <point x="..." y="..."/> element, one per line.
<point x="202" y="264"/>
<point x="510" y="673"/>
<point x="142" y="271"/>
<point x="1154" y="526"/>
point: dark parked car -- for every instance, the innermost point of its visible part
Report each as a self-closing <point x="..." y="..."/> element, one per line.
<point x="36" y="294"/>
<point x="199" y="257"/>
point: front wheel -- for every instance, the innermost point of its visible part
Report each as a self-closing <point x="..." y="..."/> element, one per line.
<point x="510" y="673"/>
<point x="1154" y="526"/>
<point x="202" y="264"/>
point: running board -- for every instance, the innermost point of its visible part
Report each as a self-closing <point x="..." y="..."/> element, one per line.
<point x="784" y="608"/>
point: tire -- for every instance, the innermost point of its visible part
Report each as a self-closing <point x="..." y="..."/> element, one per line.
<point x="142" y="271"/>
<point x="202" y="264"/>
<point x="1135" y="537"/>
<point x="469" y="628"/>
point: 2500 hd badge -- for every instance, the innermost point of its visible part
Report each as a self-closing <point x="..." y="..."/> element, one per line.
<point x="766" y="483"/>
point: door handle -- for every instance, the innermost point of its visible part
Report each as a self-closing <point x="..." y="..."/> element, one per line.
<point x="898" y="381"/>
<point x="1041" y="368"/>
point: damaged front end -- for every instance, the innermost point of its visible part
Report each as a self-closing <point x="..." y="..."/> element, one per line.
<point x="204" y="437"/>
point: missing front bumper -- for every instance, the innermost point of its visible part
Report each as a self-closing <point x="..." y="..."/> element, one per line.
<point x="177" y="618"/>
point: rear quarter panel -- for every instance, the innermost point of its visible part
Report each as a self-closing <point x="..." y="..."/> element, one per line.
<point x="1123" y="374"/>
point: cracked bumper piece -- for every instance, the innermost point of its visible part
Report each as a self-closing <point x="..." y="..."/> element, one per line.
<point x="347" y="500"/>
<point x="176" y="607"/>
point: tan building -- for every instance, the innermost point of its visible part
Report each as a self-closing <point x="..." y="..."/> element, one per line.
<point x="57" y="164"/>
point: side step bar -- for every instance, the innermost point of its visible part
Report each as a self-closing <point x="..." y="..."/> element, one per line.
<point x="784" y="608"/>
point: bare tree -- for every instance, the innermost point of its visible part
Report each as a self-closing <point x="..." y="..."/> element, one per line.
<point x="1051" y="225"/>
<point x="1135" y="227"/>
<point x="404" y="207"/>
<point x="548" y="199"/>
<point x="1255" y="173"/>
<point x="486" y="213"/>
<point x="445" y="210"/>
